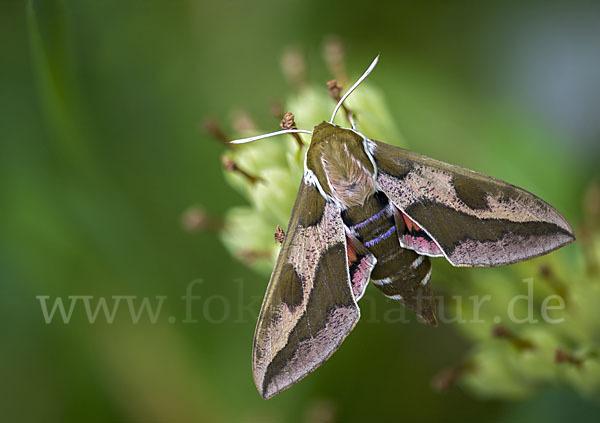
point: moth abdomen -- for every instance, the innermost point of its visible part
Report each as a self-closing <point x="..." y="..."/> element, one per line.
<point x="400" y="274"/>
<point x="370" y="220"/>
<point x="410" y="285"/>
<point x="374" y="225"/>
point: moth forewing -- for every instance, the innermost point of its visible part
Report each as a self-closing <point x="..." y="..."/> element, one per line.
<point x="309" y="307"/>
<point x="476" y="220"/>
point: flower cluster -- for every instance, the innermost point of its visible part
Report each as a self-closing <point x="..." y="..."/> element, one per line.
<point x="539" y="346"/>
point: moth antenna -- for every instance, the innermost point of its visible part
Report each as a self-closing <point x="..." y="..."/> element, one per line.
<point x="271" y="134"/>
<point x="334" y="91"/>
<point x="352" y="88"/>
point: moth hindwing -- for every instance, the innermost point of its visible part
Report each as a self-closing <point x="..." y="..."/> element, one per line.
<point x="368" y="210"/>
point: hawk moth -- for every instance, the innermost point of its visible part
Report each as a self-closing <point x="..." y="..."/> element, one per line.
<point x="366" y="210"/>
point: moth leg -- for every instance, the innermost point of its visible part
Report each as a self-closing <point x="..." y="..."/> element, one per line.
<point x="352" y="120"/>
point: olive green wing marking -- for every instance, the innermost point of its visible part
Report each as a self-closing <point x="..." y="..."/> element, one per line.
<point x="475" y="220"/>
<point x="309" y="307"/>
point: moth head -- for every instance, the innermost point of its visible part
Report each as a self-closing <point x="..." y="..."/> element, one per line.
<point x="338" y="159"/>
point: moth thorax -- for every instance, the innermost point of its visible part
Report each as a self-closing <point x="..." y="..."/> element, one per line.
<point x="350" y="181"/>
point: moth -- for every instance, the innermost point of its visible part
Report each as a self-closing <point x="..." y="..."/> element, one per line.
<point x="367" y="210"/>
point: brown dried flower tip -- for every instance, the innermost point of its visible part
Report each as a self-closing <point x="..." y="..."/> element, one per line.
<point x="196" y="218"/>
<point x="333" y="51"/>
<point x="448" y="377"/>
<point x="554" y="281"/>
<point x="276" y="109"/>
<point x="546" y="271"/>
<point x="322" y="411"/>
<point x="287" y="122"/>
<point x="294" y="67"/>
<point x="335" y="90"/>
<point x="212" y="127"/>
<point x="592" y="204"/>
<point x="561" y="356"/>
<point x="252" y="256"/>
<point x="243" y="123"/>
<point x="519" y="343"/>
<point x="231" y="166"/>
<point x="228" y="164"/>
<point x="279" y="235"/>
<point x="500" y="332"/>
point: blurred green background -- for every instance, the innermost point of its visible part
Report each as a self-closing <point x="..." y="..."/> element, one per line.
<point x="102" y="152"/>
